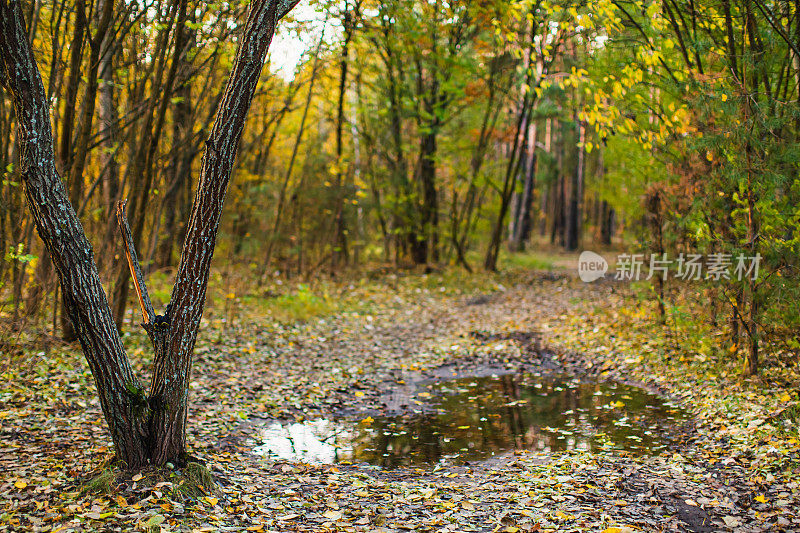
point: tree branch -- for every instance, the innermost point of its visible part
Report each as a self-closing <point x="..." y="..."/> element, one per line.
<point x="148" y="315"/>
<point x="284" y="6"/>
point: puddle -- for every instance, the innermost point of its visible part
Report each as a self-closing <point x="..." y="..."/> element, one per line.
<point x="474" y="419"/>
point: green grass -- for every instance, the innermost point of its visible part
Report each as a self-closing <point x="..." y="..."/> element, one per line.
<point x="300" y="305"/>
<point x="527" y="261"/>
<point x="100" y="484"/>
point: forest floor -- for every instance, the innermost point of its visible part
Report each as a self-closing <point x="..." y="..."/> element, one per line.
<point x="733" y="467"/>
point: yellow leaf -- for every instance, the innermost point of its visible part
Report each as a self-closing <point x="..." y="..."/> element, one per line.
<point x="761" y="499"/>
<point x="368" y="421"/>
<point x="212" y="501"/>
<point x="259" y="527"/>
<point x="785" y="397"/>
<point x="20" y="484"/>
<point x="359" y="394"/>
<point x="332" y="515"/>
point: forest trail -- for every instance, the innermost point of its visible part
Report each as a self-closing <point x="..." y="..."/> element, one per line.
<point x="350" y="365"/>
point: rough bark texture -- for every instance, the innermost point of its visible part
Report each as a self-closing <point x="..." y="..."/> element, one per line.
<point x="145" y="430"/>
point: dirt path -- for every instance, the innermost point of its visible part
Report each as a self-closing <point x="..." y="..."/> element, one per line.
<point x="360" y="363"/>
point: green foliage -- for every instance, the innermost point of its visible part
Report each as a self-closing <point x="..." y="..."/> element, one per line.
<point x="16" y="253"/>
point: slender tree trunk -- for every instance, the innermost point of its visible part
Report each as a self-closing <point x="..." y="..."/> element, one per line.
<point x="654" y="214"/>
<point x="428" y="245"/>
<point x="184" y="153"/>
<point x="340" y="253"/>
<point x="141" y="167"/>
<point x="109" y="132"/>
<point x="290" y="166"/>
<point x="575" y="221"/>
<point x="522" y="216"/>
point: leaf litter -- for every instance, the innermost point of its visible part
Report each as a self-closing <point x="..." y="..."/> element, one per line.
<point x="734" y="469"/>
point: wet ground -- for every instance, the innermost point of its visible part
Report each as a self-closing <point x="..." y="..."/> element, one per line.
<point x="460" y="421"/>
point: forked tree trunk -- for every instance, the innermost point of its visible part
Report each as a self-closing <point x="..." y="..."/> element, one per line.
<point x="146" y="429"/>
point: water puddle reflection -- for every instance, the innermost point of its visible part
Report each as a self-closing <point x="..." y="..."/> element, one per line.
<point x="476" y="418"/>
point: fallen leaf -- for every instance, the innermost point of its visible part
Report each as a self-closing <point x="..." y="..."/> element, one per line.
<point x="731" y="521"/>
<point x="155" y="520"/>
<point x="332" y="515"/>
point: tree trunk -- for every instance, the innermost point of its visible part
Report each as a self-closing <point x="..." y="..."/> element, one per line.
<point x="183" y="156"/>
<point x="290" y="166"/>
<point x="575" y="221"/>
<point x="428" y="244"/>
<point x="340" y="253"/>
<point x="521" y="218"/>
<point x="145" y="429"/>
<point x="109" y="132"/>
<point x="654" y="214"/>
